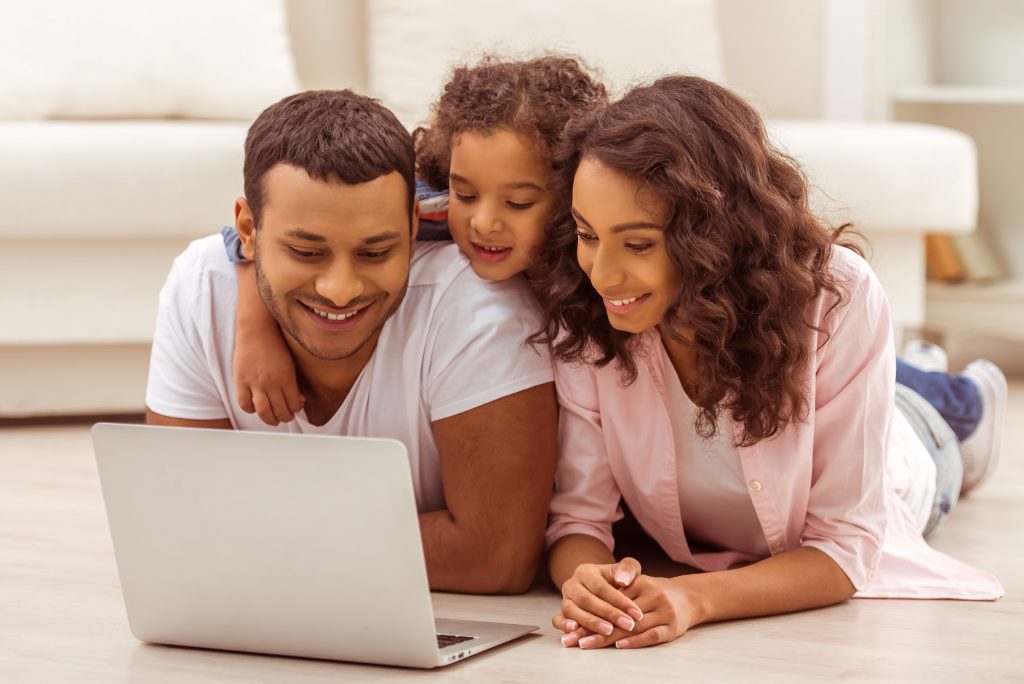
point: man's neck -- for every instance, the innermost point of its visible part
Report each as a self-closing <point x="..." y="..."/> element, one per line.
<point x="326" y="384"/>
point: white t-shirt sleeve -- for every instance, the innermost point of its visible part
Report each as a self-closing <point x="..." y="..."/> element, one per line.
<point x="478" y="349"/>
<point x="181" y="383"/>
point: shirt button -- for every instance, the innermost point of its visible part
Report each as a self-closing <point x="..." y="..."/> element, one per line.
<point x="778" y="545"/>
<point x="755" y="485"/>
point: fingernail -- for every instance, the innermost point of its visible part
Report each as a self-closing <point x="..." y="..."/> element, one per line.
<point x="622" y="643"/>
<point x="625" y="623"/>
<point x="569" y="626"/>
<point x="622" y="578"/>
<point x="605" y="628"/>
<point x="635" y="614"/>
<point x="587" y="642"/>
<point x="570" y="640"/>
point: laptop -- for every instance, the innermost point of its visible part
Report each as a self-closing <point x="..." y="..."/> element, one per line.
<point x="295" y="545"/>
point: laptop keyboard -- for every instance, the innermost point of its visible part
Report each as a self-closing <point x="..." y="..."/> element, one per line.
<point x="444" y="640"/>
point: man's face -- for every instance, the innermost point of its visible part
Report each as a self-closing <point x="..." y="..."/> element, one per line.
<point x="332" y="260"/>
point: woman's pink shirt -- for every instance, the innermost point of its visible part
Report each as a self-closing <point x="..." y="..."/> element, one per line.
<point x="821" y="483"/>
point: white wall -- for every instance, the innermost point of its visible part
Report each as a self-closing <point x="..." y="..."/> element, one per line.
<point x="772" y="52"/>
<point x="772" y="49"/>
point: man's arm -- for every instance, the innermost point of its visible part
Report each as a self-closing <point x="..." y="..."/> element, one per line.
<point x="497" y="463"/>
<point x="153" y="418"/>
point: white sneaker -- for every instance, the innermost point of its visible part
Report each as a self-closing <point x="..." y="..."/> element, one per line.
<point x="980" y="451"/>
<point x="925" y="356"/>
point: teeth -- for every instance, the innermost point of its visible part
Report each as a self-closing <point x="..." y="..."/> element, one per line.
<point x="494" y="249"/>
<point x="333" y="317"/>
<point x="623" y="302"/>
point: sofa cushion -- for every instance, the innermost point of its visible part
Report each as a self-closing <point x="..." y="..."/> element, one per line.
<point x="886" y="175"/>
<point x="139" y="179"/>
<point x="414" y="43"/>
<point x="219" y="59"/>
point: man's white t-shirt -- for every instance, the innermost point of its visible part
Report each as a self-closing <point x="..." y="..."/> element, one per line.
<point x="456" y="342"/>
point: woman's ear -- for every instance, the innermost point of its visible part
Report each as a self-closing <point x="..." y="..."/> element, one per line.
<point x="246" y="227"/>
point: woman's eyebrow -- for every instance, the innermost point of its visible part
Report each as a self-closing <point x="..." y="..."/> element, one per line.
<point x="633" y="225"/>
<point x="579" y="217"/>
<point x="637" y="225"/>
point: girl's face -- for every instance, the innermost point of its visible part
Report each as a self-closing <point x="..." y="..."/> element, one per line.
<point x="621" y="246"/>
<point x="499" y="203"/>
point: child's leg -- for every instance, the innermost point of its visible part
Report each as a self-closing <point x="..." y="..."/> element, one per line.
<point x="941" y="443"/>
<point x="981" y="450"/>
<point x="956" y="397"/>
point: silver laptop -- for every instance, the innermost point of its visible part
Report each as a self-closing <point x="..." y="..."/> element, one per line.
<point x="297" y="545"/>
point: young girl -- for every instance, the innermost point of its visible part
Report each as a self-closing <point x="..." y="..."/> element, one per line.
<point x="490" y="142"/>
<point x="727" y="370"/>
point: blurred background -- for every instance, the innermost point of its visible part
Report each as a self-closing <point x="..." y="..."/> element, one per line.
<point x="122" y="123"/>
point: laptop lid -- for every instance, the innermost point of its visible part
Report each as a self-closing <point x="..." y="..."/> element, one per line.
<point x="300" y="545"/>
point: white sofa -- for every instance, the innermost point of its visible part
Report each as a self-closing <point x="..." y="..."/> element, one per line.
<point x="93" y="211"/>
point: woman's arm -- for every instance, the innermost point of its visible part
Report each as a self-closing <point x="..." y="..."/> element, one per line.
<point x="796" y="580"/>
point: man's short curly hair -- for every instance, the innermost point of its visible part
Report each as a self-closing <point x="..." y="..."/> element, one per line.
<point x="535" y="97"/>
<point x="334" y="135"/>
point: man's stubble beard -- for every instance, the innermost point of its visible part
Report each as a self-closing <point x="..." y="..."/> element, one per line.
<point x="269" y="300"/>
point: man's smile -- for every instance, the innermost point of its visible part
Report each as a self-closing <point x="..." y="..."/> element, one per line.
<point x="336" y="320"/>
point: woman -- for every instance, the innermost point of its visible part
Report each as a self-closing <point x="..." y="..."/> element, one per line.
<point x="726" y="369"/>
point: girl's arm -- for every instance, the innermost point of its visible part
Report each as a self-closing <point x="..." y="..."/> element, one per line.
<point x="264" y="369"/>
<point x="800" y="579"/>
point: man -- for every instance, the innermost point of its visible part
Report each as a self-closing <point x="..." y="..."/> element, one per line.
<point x="390" y="338"/>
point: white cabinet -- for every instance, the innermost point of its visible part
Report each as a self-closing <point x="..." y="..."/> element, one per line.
<point x="960" y="64"/>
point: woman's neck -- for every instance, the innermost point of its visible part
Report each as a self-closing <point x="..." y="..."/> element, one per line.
<point x="679" y="347"/>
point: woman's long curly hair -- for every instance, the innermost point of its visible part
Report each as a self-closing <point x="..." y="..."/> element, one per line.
<point x="535" y="97"/>
<point x="751" y="255"/>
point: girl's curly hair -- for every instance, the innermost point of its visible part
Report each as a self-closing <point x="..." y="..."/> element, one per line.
<point x="751" y="255"/>
<point x="535" y="97"/>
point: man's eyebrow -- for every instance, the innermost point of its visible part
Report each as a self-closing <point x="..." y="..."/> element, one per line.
<point x="633" y="225"/>
<point x="303" y="234"/>
<point x="382" y="237"/>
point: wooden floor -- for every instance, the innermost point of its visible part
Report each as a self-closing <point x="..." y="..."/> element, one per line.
<point x="62" y="617"/>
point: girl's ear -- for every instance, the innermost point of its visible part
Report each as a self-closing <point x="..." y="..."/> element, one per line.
<point x="246" y="227"/>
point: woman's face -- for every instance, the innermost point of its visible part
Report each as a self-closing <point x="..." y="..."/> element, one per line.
<point x="620" y="226"/>
<point x="499" y="202"/>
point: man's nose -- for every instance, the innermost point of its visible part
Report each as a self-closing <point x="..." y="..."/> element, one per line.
<point x="340" y="284"/>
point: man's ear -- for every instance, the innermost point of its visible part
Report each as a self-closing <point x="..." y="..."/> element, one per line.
<point x="415" y="219"/>
<point x="246" y="227"/>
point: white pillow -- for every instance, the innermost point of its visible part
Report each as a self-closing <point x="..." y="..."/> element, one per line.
<point x="414" y="43"/>
<point x="218" y="59"/>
